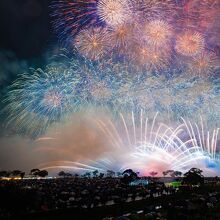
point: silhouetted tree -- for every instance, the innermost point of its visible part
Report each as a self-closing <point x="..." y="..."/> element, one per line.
<point x="68" y="175"/>
<point x="95" y="173"/>
<point x="165" y="173"/>
<point x="62" y="173"/>
<point x="17" y="173"/>
<point x="128" y="172"/>
<point x="34" y="172"/>
<point x="88" y="174"/>
<point x="193" y="177"/>
<point x="4" y="173"/>
<point x="110" y="173"/>
<point x="101" y="175"/>
<point x="172" y="173"/>
<point x="153" y="173"/>
<point x="128" y="176"/>
<point x="42" y="173"/>
<point x="177" y="173"/>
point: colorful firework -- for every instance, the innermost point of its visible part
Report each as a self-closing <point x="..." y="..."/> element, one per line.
<point x="127" y="30"/>
<point x="141" y="143"/>
<point x="114" y="12"/>
<point x="122" y="37"/>
<point x="149" y="57"/>
<point x="39" y="98"/>
<point x="201" y="137"/>
<point x="190" y="44"/>
<point x="117" y="86"/>
<point x="204" y="64"/>
<point x="93" y="43"/>
<point x="178" y="96"/>
<point x="100" y="91"/>
<point x="71" y="16"/>
<point x="153" y="9"/>
<point x="157" y="33"/>
<point x="199" y="15"/>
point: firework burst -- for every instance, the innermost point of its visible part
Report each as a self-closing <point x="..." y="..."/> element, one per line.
<point x="204" y="64"/>
<point x="153" y="9"/>
<point x="93" y="43"/>
<point x="114" y="12"/>
<point x="157" y="33"/>
<point x="190" y="44"/>
<point x="122" y="37"/>
<point x="149" y="57"/>
<point x="100" y="91"/>
<point x="39" y="98"/>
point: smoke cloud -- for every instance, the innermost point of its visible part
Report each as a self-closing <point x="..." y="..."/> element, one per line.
<point x="75" y="140"/>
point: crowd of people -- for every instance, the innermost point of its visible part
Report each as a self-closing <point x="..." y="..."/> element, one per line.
<point x="193" y="206"/>
<point x="35" y="195"/>
<point x="155" y="200"/>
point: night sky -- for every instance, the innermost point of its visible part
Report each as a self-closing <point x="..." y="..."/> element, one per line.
<point x="25" y="27"/>
<point x="26" y="35"/>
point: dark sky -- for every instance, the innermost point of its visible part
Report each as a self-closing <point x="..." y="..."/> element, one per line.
<point x="26" y="36"/>
<point x="25" y="27"/>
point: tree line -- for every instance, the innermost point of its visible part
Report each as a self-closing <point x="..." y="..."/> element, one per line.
<point x="193" y="176"/>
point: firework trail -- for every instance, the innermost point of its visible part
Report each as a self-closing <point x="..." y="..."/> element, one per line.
<point x="65" y="87"/>
<point x="142" y="143"/>
<point x="39" y="98"/>
<point x="71" y="16"/>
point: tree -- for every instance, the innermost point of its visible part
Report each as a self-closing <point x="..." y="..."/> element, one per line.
<point x="101" y="175"/>
<point x="17" y="173"/>
<point x="22" y="175"/>
<point x="42" y="173"/>
<point x="34" y="172"/>
<point x="128" y="176"/>
<point x="110" y="173"/>
<point x="194" y="177"/>
<point x="165" y="173"/>
<point x="4" y="173"/>
<point x="88" y="174"/>
<point x="177" y="173"/>
<point x="61" y="173"/>
<point x="95" y="173"/>
<point x="153" y="173"/>
<point x="68" y="175"/>
<point x="172" y="173"/>
<point x="129" y="172"/>
<point x="64" y="174"/>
